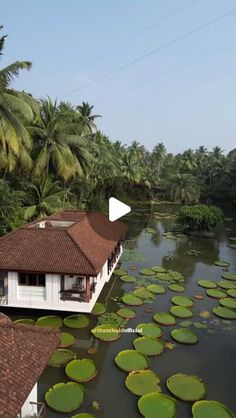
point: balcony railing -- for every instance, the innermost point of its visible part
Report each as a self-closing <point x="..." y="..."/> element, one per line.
<point x="38" y="410"/>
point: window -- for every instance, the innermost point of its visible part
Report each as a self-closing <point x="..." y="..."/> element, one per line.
<point x="31" y="279"/>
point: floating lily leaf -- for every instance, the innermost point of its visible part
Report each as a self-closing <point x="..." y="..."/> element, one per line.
<point x="170" y="345"/>
<point x="61" y="357"/>
<point x="131" y="360"/>
<point x="176" y="287"/>
<point x="128" y="278"/>
<point x="232" y="239"/>
<point x="228" y="302"/>
<point x="205" y="314"/>
<point x="25" y="321"/>
<point x="106" y="332"/>
<point x="126" y="313"/>
<point x="143" y="293"/>
<point x="199" y="325"/>
<point x="226" y="284"/>
<point x="182" y="301"/>
<point x="157" y="405"/>
<point x="181" y="312"/>
<point x="142" y="381"/>
<point x="81" y="370"/>
<point x="149" y="329"/>
<point x="225" y="313"/>
<point x="222" y="263"/>
<point x="147" y="272"/>
<point x="186" y="387"/>
<point x="184" y="336"/>
<point x="158" y="269"/>
<point x="66" y="339"/>
<point x="76" y="321"/>
<point x="232" y="293"/>
<point x="164" y="318"/>
<point x="214" y="409"/>
<point x="65" y="397"/>
<point x="166" y="277"/>
<point x="98" y="309"/>
<point x="229" y="276"/>
<point x="216" y="294"/>
<point x="119" y="272"/>
<point x="84" y="415"/>
<point x="208" y="284"/>
<point x="131" y="300"/>
<point x="112" y="318"/>
<point x="198" y="296"/>
<point x="149" y="346"/>
<point x="185" y="323"/>
<point x="156" y="288"/>
<point x="51" y="321"/>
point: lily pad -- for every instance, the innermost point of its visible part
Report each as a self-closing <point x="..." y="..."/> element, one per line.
<point x="181" y="312"/>
<point x="215" y="293"/>
<point x="232" y="293"/>
<point x="232" y="239"/>
<point x="131" y="300"/>
<point x="84" y="415"/>
<point x="61" y="358"/>
<point x="164" y="318"/>
<point x="147" y="272"/>
<point x="184" y="336"/>
<point x="25" y="321"/>
<point x="142" y="381"/>
<point x="208" y="284"/>
<point x="51" y="321"/>
<point x="228" y="302"/>
<point x="186" y="387"/>
<point x="182" y="301"/>
<point x="225" y="313"/>
<point x="176" y="287"/>
<point x="222" y="263"/>
<point x="149" y="346"/>
<point x="128" y="278"/>
<point x="66" y="339"/>
<point x="106" y="332"/>
<point x="211" y="409"/>
<point x="112" y="318"/>
<point x="229" y="276"/>
<point x="126" y="313"/>
<point x="65" y="397"/>
<point x="98" y="309"/>
<point x="157" y="405"/>
<point x="185" y="323"/>
<point x="149" y="329"/>
<point x="226" y="284"/>
<point x="81" y="370"/>
<point x="143" y="293"/>
<point x="119" y="272"/>
<point x="156" y="288"/>
<point x="76" y="321"/>
<point x="158" y="269"/>
<point x="131" y="360"/>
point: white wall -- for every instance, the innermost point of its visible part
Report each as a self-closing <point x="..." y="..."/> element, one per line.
<point x="27" y="409"/>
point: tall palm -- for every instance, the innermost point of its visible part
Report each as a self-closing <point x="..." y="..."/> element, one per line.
<point x="183" y="188"/>
<point x="87" y="117"/>
<point x="189" y="162"/>
<point x="158" y="156"/>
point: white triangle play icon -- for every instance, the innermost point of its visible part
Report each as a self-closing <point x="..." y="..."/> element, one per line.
<point x="117" y="209"/>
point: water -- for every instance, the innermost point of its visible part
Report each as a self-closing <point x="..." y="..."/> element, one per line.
<point x="212" y="359"/>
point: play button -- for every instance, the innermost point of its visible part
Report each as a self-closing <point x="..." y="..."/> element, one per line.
<point x="117" y="209"/>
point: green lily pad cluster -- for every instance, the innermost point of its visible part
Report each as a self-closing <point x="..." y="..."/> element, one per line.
<point x="61" y="357"/>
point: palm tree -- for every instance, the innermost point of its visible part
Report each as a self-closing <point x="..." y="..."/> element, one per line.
<point x="189" y="162"/>
<point x="183" y="188"/>
<point x="158" y="156"/>
<point x="86" y="117"/>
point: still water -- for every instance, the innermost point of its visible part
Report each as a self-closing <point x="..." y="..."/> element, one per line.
<point x="213" y="359"/>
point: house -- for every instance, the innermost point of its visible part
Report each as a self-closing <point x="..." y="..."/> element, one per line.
<point x="24" y="354"/>
<point x="61" y="262"/>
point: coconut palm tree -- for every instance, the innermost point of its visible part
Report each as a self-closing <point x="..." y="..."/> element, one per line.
<point x="87" y="117"/>
<point x="183" y="188"/>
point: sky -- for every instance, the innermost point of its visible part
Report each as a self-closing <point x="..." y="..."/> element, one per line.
<point x="156" y="70"/>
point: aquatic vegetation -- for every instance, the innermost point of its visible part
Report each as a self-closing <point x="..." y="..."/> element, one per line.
<point x="149" y="329"/>
<point x="76" y="321"/>
<point x="225" y="313"/>
<point x="176" y="287"/>
<point x="147" y="272"/>
<point x="185" y="323"/>
<point x="208" y="284"/>
<point x="164" y="318"/>
<point x="233" y="239"/>
<point x="182" y="301"/>
<point x="84" y="415"/>
<point x="186" y="387"/>
<point x="193" y="252"/>
<point x="155" y="405"/>
<point x="181" y="312"/>
<point x="221" y="263"/>
<point x="150" y="230"/>
<point x="199" y="325"/>
<point x="131" y="360"/>
<point x="228" y="302"/>
<point x="149" y="345"/>
<point x="198" y="296"/>
<point x="231" y="293"/>
<point x="184" y="336"/>
<point x="215" y="293"/>
<point x="170" y="345"/>
<point x="142" y="381"/>
<point x="112" y="318"/>
<point x="65" y="397"/>
<point x="131" y="300"/>
<point x="227" y="284"/>
<point x="205" y="314"/>
<point x="204" y="409"/>
<point x="81" y="370"/>
<point x="128" y="278"/>
<point x="229" y="276"/>
<point x="25" y="321"/>
<point x="98" y="309"/>
<point x="66" y="340"/>
<point x="61" y="357"/>
<point x="158" y="269"/>
<point x="156" y="288"/>
<point x="96" y="406"/>
<point x="120" y="272"/>
<point x="143" y="293"/>
<point x="106" y="332"/>
<point x="126" y="313"/>
<point x="51" y="321"/>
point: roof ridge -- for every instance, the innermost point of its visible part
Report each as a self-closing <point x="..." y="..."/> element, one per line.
<point x="76" y="245"/>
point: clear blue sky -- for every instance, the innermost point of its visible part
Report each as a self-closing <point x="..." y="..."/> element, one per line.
<point x="183" y="95"/>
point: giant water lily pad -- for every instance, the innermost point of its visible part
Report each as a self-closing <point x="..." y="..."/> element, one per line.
<point x="166" y="277"/>
<point x="215" y="293"/>
<point x="222" y="263"/>
<point x="147" y="272"/>
<point x="164" y="318"/>
<point x="98" y="309"/>
<point x="186" y="387"/>
<point x="149" y="345"/>
<point x="25" y="321"/>
<point x="232" y="293"/>
<point x="176" y="287"/>
<point x="131" y="300"/>
<point x="106" y="332"/>
<point x="142" y="381"/>
<point x="211" y="409"/>
<point x="126" y="313"/>
<point x="131" y="360"/>
<point x="208" y="284"/>
<point x="182" y="301"/>
<point x="52" y="321"/>
<point x="228" y="302"/>
<point x="65" y="397"/>
<point x="143" y="293"/>
<point x="76" y="321"/>
<point x="84" y="415"/>
<point x="181" y="312"/>
<point x="229" y="276"/>
<point x="184" y="336"/>
<point x="61" y="358"/>
<point x="81" y="370"/>
<point x="149" y="329"/>
<point x="157" y="405"/>
<point x="226" y="284"/>
<point x="225" y="313"/>
<point x="119" y="272"/>
<point x="66" y="339"/>
<point x="158" y="269"/>
<point x="128" y="278"/>
<point x="156" y="288"/>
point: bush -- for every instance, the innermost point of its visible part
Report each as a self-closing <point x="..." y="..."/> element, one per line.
<point x="200" y="217"/>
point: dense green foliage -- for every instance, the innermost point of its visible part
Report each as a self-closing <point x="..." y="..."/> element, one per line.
<point x="200" y="217"/>
<point x="53" y="157"/>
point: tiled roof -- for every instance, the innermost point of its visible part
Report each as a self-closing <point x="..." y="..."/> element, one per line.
<point x="4" y="319"/>
<point x="24" y="353"/>
<point x="81" y="248"/>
